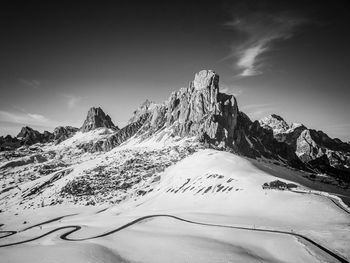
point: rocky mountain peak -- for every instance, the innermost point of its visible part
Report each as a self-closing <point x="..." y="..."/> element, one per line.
<point x="29" y="136"/>
<point x="274" y="122"/>
<point x="96" y="118"/>
<point x="202" y="111"/>
<point x="205" y="78"/>
<point x="27" y="131"/>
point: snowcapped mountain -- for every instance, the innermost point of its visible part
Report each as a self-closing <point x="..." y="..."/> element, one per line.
<point x="179" y="168"/>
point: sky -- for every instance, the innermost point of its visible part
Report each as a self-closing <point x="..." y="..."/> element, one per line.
<point x="290" y="58"/>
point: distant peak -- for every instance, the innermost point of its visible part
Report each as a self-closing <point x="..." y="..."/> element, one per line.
<point x="25" y="130"/>
<point x="274" y="122"/>
<point x="277" y="117"/>
<point x="96" y="118"/>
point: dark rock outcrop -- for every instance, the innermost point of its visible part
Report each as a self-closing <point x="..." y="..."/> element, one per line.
<point x="63" y="133"/>
<point x="96" y="118"/>
<point x="29" y="136"/>
<point x="9" y="143"/>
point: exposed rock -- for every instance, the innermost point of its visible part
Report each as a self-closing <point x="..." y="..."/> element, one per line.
<point x="256" y="141"/>
<point x="144" y="108"/>
<point x="117" y="138"/>
<point x="96" y="118"/>
<point x="9" y="143"/>
<point x="63" y="133"/>
<point x="202" y="111"/>
<point x="314" y="148"/>
<point x="274" y="122"/>
<point x="47" y="136"/>
<point x="204" y="78"/>
<point x="29" y="136"/>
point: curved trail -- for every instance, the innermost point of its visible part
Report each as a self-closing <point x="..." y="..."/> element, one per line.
<point x="75" y="228"/>
<point x="10" y="233"/>
<point x="333" y="200"/>
<point x="339" y="205"/>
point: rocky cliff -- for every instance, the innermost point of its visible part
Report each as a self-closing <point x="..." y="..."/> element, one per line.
<point x="96" y="118"/>
<point x="62" y="133"/>
<point x="314" y="148"/>
<point x="201" y="110"/>
<point x="30" y="136"/>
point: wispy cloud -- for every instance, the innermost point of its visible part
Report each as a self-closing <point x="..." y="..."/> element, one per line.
<point x="72" y="100"/>
<point x="31" y="83"/>
<point x="25" y="118"/>
<point x="258" y="31"/>
<point x="38" y="117"/>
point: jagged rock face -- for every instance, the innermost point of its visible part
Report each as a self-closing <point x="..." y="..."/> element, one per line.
<point x="117" y="138"/>
<point x="204" y="79"/>
<point x="145" y="107"/>
<point x="275" y="122"/>
<point x="63" y="133"/>
<point x="47" y="136"/>
<point x="253" y="140"/>
<point x="201" y="110"/>
<point x="96" y="118"/>
<point x="29" y="136"/>
<point x="8" y="143"/>
<point x="281" y="130"/>
<point x="315" y="148"/>
<point x="312" y="145"/>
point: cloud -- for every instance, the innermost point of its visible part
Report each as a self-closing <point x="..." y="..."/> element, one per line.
<point x="72" y="100"/>
<point x="25" y="118"/>
<point x="32" y="83"/>
<point x="37" y="117"/>
<point x="256" y="32"/>
<point x="247" y="60"/>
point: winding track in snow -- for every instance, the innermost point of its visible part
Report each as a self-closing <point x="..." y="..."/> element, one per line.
<point x="75" y="228"/>
<point x="333" y="200"/>
<point x="11" y="232"/>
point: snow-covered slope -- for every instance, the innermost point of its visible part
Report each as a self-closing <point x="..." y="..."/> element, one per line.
<point x="210" y="187"/>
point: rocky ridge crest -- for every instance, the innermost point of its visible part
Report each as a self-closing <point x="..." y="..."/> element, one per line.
<point x="96" y="118"/>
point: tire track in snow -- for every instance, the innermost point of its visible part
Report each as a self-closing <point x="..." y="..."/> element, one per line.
<point x="75" y="228"/>
<point x="10" y="233"/>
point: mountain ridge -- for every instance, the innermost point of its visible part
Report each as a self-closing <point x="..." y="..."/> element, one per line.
<point x="213" y="118"/>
